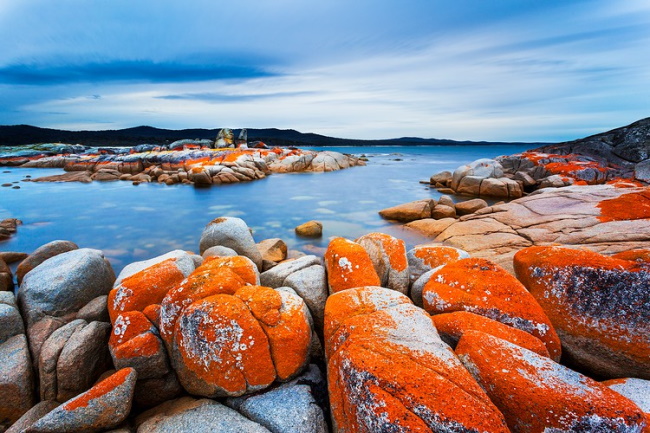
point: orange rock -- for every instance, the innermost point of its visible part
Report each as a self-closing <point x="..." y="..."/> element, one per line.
<point x="240" y="265"/>
<point x="153" y="314"/>
<point x="285" y="321"/>
<point x="423" y="258"/>
<point x="632" y="206"/>
<point x="536" y="394"/>
<point x="637" y="390"/>
<point x="203" y="282"/>
<point x="220" y="349"/>
<point x="388" y="256"/>
<point x="348" y="265"/>
<point x="144" y="288"/>
<point x="452" y="326"/>
<point x="634" y="255"/>
<point x="600" y="306"/>
<point x="481" y="287"/>
<point x="389" y="371"/>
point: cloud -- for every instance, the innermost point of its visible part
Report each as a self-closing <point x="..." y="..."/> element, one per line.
<point x="126" y="70"/>
<point x="220" y="97"/>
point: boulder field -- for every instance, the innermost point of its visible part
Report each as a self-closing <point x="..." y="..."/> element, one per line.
<point x="371" y="337"/>
<point x="186" y="161"/>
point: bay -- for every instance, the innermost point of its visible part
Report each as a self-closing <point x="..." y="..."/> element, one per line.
<point x="131" y="223"/>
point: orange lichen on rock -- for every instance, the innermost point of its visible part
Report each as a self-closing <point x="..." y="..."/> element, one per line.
<point x="389" y="371"/>
<point x="625" y="183"/>
<point x="144" y="288"/>
<point x="153" y="314"/>
<point x="240" y="265"/>
<point x="438" y="255"/>
<point x="482" y="287"/>
<point x="203" y="282"/>
<point x="536" y="394"/>
<point x="631" y="206"/>
<point x="633" y="255"/>
<point x="220" y="348"/>
<point x="388" y="256"/>
<point x="348" y="265"/>
<point x="599" y="305"/>
<point x="283" y="317"/>
<point x="105" y="386"/>
<point x="452" y="326"/>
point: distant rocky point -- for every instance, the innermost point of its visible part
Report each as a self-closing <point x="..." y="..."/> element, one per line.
<point x="199" y="162"/>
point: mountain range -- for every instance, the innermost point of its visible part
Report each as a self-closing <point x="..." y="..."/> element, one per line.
<point x="14" y="135"/>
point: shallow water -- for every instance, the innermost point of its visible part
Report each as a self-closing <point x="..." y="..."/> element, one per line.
<point x="131" y="223"/>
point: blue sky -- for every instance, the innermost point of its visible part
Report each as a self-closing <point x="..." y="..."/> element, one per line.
<point x="516" y="70"/>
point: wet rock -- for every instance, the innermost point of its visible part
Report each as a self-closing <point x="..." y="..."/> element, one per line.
<point x="11" y="323"/>
<point x="431" y="227"/>
<point x="408" y="212"/>
<point x="289" y="408"/>
<point x="605" y="331"/>
<point x="348" y="265"/>
<point x="452" y="326"/>
<point x="204" y="416"/>
<point x="31" y="416"/>
<point x="16" y="380"/>
<point x="481" y="287"/>
<point x="388" y="256"/>
<point x="386" y="376"/>
<point x="470" y="206"/>
<point x="104" y="406"/>
<point x="232" y="233"/>
<point x="41" y="254"/>
<point x="423" y="258"/>
<point x="536" y="394"/>
<point x="310" y="229"/>
<point x="274" y="250"/>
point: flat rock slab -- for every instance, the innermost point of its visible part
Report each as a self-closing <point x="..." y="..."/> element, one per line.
<point x="572" y="216"/>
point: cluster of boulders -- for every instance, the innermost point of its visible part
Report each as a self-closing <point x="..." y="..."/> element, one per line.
<point x="197" y="162"/>
<point x="370" y="337"/>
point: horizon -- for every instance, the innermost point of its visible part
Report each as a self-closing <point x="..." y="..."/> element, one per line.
<point x="468" y="71"/>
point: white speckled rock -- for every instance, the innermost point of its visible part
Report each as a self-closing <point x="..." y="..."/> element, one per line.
<point x="388" y="256"/>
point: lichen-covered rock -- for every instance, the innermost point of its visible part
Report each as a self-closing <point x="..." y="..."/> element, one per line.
<point x="600" y="306"/>
<point x="182" y="260"/>
<point x="41" y="254"/>
<point x="148" y="286"/>
<point x="388" y="369"/>
<point x="227" y="345"/>
<point x="536" y="394"/>
<point x="232" y="233"/>
<point x="452" y="326"/>
<point x="198" y="416"/>
<point x="637" y="390"/>
<point x="481" y="287"/>
<point x="415" y="210"/>
<point x="102" y="407"/>
<point x="348" y="265"/>
<point x="423" y="258"/>
<point x="16" y="380"/>
<point x="388" y="256"/>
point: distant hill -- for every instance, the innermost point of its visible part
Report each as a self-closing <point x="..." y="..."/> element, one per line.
<point x="25" y="134"/>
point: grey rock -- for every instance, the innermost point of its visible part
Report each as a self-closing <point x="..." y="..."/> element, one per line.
<point x="83" y="359"/>
<point x="276" y="277"/>
<point x="637" y="390"/>
<point x="310" y="284"/>
<point x="157" y="390"/>
<point x="219" y="251"/>
<point x="31" y="416"/>
<point x="41" y="254"/>
<point x="232" y="233"/>
<point x="386" y="254"/>
<point x="10" y="321"/>
<point x="49" y="355"/>
<point x="642" y="171"/>
<point x="418" y="286"/>
<point x="95" y="310"/>
<point x="104" y="406"/>
<point x="16" y="380"/>
<point x="198" y="416"/>
<point x="289" y="408"/>
<point x="63" y="284"/>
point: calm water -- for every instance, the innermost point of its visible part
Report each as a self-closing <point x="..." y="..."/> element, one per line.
<point x="132" y="223"/>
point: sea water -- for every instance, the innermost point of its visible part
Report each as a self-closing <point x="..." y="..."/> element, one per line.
<point x="130" y="223"/>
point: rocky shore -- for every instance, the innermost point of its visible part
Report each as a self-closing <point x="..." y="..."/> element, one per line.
<point x="368" y="338"/>
<point x="195" y="162"/>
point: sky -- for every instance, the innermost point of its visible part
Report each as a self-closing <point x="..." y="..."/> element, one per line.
<point x="495" y="70"/>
